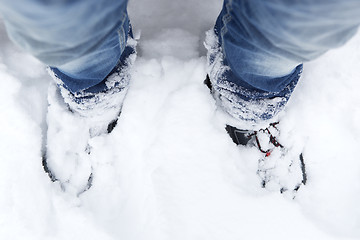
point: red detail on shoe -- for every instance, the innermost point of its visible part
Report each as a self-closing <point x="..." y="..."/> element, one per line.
<point x="268" y="153"/>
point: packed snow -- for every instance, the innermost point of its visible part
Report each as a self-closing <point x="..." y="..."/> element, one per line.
<point x="169" y="170"/>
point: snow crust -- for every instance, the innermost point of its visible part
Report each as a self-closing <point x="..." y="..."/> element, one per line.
<point x="169" y="170"/>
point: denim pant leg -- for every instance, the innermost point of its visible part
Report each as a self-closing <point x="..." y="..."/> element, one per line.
<point x="82" y="40"/>
<point x="256" y="52"/>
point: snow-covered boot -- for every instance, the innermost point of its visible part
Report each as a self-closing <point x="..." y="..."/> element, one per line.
<point x="280" y="168"/>
<point x="73" y="119"/>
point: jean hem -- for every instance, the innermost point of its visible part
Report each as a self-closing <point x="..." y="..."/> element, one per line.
<point x="249" y="106"/>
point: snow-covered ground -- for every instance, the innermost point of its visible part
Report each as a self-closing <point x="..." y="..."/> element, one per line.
<point x="169" y="170"/>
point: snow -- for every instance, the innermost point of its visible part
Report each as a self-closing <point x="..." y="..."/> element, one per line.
<point x="169" y="170"/>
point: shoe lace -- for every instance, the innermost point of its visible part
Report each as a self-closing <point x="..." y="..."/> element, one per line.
<point x="272" y="139"/>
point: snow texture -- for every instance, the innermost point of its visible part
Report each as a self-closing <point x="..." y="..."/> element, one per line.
<point x="169" y="170"/>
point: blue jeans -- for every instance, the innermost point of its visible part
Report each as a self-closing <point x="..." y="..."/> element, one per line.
<point x="81" y="40"/>
<point x="261" y="44"/>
